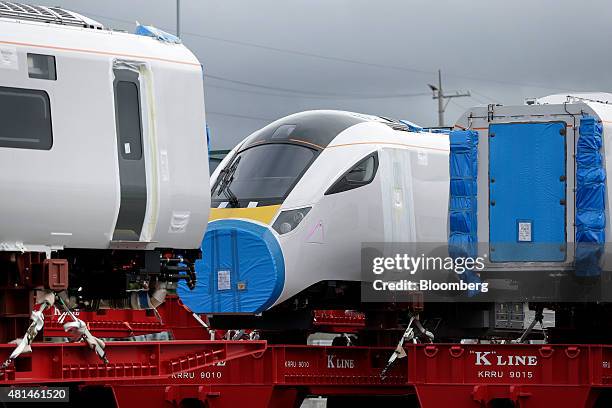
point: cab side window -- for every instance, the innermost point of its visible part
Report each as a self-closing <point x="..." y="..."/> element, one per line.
<point x="25" y="119"/>
<point x="359" y="175"/>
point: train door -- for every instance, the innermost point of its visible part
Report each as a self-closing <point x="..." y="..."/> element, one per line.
<point x="132" y="171"/>
<point x="527" y="192"/>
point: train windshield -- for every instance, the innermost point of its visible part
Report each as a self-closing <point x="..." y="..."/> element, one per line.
<point x="264" y="174"/>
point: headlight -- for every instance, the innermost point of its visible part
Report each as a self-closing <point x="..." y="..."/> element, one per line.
<point x="288" y="220"/>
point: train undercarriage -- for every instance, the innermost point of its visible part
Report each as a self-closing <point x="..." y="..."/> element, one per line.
<point x="382" y="351"/>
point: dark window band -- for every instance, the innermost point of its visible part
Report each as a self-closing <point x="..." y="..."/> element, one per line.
<point x="313" y="129"/>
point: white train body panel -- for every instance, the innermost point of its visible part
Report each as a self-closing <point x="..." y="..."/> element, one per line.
<point x="407" y="200"/>
<point x="69" y="196"/>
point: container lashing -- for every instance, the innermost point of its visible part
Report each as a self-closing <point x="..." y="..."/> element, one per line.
<point x="538" y="318"/>
<point x="76" y="328"/>
<point x="38" y="321"/>
<point x="411" y="336"/>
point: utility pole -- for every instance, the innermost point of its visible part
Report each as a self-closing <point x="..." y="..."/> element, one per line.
<point x="439" y="94"/>
<point x="178" y="18"/>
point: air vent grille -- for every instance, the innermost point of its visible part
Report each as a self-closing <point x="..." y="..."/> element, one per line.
<point x="52" y="15"/>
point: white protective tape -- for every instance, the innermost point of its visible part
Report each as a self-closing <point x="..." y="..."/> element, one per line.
<point x="179" y="222"/>
<point x="8" y="58"/>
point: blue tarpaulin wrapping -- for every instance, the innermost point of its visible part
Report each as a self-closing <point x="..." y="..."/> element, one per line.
<point x="242" y="270"/>
<point x="527" y="191"/>
<point x="150" y="31"/>
<point x="590" y="198"/>
<point x="463" y="223"/>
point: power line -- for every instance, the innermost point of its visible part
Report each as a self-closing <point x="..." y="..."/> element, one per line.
<point x="345" y="60"/>
<point x="486" y="97"/>
<point x="317" y="95"/>
<point x="308" y="54"/>
<point x="303" y="96"/>
<point x="235" y="115"/>
<point x="459" y="105"/>
<point x="255" y="92"/>
<point x="479" y="100"/>
<point x="372" y="64"/>
<point x="365" y="63"/>
<point x="277" y="49"/>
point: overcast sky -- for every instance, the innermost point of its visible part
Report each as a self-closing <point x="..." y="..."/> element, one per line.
<point x="266" y="59"/>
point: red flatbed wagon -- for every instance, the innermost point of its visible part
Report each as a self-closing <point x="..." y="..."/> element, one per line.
<point x="196" y="371"/>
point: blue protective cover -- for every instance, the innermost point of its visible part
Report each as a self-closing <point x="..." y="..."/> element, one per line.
<point x="527" y="169"/>
<point x="590" y="198"/>
<point x="413" y="127"/>
<point x="150" y="31"/>
<point x="463" y="209"/>
<point x="463" y="191"/>
<point x="443" y="131"/>
<point x="252" y="258"/>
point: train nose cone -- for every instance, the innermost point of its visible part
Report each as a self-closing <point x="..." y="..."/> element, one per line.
<point x="242" y="270"/>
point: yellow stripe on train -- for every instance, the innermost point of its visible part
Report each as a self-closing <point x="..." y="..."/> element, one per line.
<point x="262" y="214"/>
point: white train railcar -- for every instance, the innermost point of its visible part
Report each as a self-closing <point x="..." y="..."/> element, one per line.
<point x="293" y="202"/>
<point x="102" y="138"/>
<point x="543" y="171"/>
